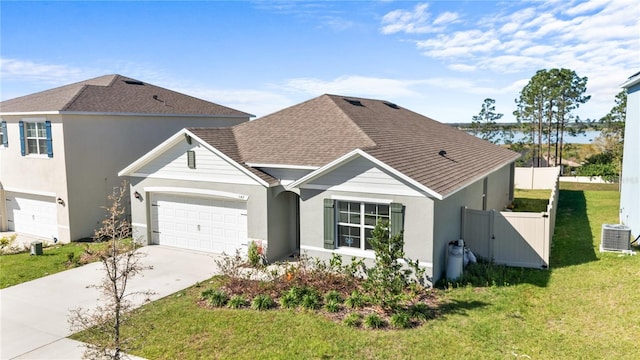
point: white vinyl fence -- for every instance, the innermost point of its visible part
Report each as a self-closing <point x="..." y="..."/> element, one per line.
<point x="519" y="239"/>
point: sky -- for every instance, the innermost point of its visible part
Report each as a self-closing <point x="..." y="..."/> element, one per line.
<point x="438" y="58"/>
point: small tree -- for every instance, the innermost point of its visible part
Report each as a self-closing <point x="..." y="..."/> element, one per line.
<point x="388" y="279"/>
<point x="120" y="262"/>
<point x="484" y="124"/>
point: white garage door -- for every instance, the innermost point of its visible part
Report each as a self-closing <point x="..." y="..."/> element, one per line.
<point x="32" y="214"/>
<point x="199" y="223"/>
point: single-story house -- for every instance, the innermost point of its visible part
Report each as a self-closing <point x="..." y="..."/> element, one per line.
<point x="61" y="149"/>
<point x="315" y="178"/>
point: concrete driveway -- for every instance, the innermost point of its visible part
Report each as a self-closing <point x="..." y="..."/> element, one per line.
<point x="34" y="314"/>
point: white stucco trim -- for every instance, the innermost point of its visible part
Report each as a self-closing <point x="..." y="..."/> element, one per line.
<point x="355" y="189"/>
<point x="188" y="178"/>
<point x="139" y="225"/>
<point x="176" y="138"/>
<point x="180" y="190"/>
<point x="342" y="251"/>
<point x="361" y="199"/>
<point x="358" y="253"/>
<point x="360" y="153"/>
<point x="30" y="192"/>
<point x="282" y="166"/>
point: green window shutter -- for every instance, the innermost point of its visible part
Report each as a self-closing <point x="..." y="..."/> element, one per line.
<point x="329" y="225"/>
<point x="47" y="126"/>
<point x="5" y="141"/>
<point x="22" y="140"/>
<point x="397" y="219"/>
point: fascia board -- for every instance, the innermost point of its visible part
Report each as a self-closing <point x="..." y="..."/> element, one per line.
<point x="85" y="113"/>
<point x="281" y="166"/>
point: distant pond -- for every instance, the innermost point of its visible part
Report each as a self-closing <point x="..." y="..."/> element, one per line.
<point x="586" y="138"/>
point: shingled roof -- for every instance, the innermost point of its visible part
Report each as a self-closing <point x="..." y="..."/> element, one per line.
<point x="116" y="94"/>
<point x="320" y="130"/>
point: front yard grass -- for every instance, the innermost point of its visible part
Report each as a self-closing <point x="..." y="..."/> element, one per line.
<point x="585" y="307"/>
<point x="22" y="267"/>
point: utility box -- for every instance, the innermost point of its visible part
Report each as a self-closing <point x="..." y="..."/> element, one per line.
<point x="36" y="248"/>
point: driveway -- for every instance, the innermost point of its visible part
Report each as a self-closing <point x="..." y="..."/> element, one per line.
<point x="34" y="314"/>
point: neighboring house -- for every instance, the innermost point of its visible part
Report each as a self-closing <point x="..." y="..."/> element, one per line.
<point x="630" y="180"/>
<point x="315" y="178"/>
<point x="62" y="148"/>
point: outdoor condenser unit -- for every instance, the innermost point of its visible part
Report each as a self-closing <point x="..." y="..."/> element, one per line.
<point x="615" y="237"/>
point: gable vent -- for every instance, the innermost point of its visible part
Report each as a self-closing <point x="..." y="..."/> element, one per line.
<point x="133" y="82"/>
<point x="392" y="105"/>
<point x="354" y="102"/>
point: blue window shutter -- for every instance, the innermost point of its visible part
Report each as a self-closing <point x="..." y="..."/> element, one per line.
<point x="22" y="144"/>
<point x="5" y="140"/>
<point x="329" y="225"/>
<point x="47" y="125"/>
<point x="397" y="219"/>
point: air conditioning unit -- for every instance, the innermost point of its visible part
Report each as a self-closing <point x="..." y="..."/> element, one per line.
<point x="615" y="237"/>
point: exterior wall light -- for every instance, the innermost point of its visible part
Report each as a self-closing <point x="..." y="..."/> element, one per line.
<point x="60" y="201"/>
<point x="137" y="195"/>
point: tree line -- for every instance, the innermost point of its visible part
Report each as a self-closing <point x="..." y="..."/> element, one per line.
<point x="545" y="113"/>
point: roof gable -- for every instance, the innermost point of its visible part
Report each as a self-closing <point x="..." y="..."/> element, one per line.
<point x="116" y="94"/>
<point x="169" y="160"/>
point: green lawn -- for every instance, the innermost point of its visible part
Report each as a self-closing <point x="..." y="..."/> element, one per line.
<point x="22" y="267"/>
<point x="531" y="200"/>
<point x="586" y="307"/>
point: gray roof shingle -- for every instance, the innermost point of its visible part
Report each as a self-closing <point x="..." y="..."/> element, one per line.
<point x="318" y="131"/>
<point x="116" y="94"/>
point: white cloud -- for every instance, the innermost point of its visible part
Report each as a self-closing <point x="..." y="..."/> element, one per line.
<point x="256" y="102"/>
<point x="446" y="18"/>
<point x="352" y="85"/>
<point x="16" y="69"/>
<point x="462" y="67"/>
<point x="412" y="22"/>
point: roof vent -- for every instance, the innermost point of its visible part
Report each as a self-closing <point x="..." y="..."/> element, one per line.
<point x="354" y="102"/>
<point x="392" y="105"/>
<point x="134" y="82"/>
<point x="442" y="153"/>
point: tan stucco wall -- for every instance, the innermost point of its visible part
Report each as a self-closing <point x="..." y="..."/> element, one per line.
<point x="89" y="150"/>
<point x="36" y="173"/>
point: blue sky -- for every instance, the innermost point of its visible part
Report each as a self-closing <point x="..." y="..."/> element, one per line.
<point x="440" y="59"/>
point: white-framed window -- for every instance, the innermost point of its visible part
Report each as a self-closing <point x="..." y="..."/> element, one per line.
<point x="356" y="220"/>
<point x="3" y="134"/>
<point x="35" y="137"/>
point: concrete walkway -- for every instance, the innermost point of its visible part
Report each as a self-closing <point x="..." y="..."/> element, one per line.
<point x="34" y="315"/>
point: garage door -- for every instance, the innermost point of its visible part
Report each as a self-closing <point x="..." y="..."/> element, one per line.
<point x="32" y="214"/>
<point x="204" y="224"/>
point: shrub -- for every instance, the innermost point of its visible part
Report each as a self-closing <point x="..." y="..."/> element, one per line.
<point x="355" y="300"/>
<point x="262" y="302"/>
<point x="237" y="302"/>
<point x="332" y="306"/>
<point x="311" y="301"/>
<point x="332" y="296"/>
<point x="420" y="311"/>
<point x="217" y="298"/>
<point x="353" y="320"/>
<point x="254" y="254"/>
<point x="289" y="301"/>
<point x="374" y="321"/>
<point x="400" y="320"/>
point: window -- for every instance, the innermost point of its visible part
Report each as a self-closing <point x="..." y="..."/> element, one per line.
<point x="355" y="221"/>
<point x="3" y="134"/>
<point x="35" y="138"/>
